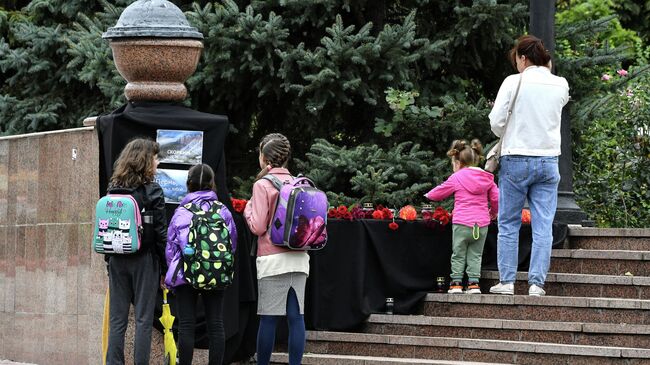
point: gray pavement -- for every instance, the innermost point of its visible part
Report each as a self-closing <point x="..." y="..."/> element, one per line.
<point x="7" y="362"/>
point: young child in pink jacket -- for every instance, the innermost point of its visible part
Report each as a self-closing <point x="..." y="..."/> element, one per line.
<point x="476" y="203"/>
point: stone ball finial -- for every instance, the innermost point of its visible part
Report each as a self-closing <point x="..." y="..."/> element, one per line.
<point x="155" y="49"/>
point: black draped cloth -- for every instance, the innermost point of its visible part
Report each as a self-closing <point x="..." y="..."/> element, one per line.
<point x="143" y="119"/>
<point x="365" y="262"/>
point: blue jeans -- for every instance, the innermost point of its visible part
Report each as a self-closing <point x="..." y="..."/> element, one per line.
<point x="536" y="179"/>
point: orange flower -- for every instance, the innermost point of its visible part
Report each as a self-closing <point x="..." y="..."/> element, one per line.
<point x="525" y="216"/>
<point x="408" y="213"/>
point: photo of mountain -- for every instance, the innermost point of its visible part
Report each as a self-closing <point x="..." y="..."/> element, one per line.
<point x="180" y="147"/>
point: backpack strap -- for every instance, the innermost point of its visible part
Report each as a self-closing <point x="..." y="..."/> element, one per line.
<point x="274" y="180"/>
<point x="277" y="183"/>
<point x="215" y="207"/>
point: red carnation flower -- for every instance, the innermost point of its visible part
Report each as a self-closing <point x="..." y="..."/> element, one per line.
<point x="238" y="204"/>
<point x="394" y="226"/>
<point x="332" y="213"/>
<point x="387" y="213"/>
<point x="357" y="213"/>
<point x="377" y="215"/>
<point x="347" y="216"/>
<point x="342" y="209"/>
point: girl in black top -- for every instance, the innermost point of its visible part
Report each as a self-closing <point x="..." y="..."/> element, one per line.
<point x="135" y="278"/>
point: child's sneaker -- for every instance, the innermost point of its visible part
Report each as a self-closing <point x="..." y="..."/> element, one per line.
<point x="508" y="289"/>
<point x="473" y="288"/>
<point x="456" y="287"/>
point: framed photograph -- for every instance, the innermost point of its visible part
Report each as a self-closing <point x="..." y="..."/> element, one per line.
<point x="173" y="183"/>
<point x="180" y="147"/>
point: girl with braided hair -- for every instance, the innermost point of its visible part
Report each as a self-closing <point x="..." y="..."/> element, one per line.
<point x="281" y="272"/>
<point x="476" y="198"/>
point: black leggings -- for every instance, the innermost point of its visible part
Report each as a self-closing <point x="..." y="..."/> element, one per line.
<point x="186" y="297"/>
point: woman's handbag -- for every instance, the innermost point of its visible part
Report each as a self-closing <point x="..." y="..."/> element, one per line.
<point x="492" y="158"/>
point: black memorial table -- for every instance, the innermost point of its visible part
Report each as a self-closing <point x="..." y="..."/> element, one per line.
<point x="365" y="262"/>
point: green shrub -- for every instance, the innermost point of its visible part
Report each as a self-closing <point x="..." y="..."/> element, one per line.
<point x="368" y="173"/>
<point x="612" y="179"/>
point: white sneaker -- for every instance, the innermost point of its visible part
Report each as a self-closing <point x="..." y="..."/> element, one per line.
<point x="473" y="288"/>
<point x="455" y="288"/>
<point x="508" y="289"/>
<point x="536" y="291"/>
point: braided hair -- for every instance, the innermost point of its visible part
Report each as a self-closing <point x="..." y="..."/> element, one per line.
<point x="276" y="151"/>
<point x="468" y="154"/>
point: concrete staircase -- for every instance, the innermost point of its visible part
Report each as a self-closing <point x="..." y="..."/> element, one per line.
<point x="597" y="311"/>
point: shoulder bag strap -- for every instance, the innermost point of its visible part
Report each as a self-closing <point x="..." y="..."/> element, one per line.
<point x="508" y="117"/>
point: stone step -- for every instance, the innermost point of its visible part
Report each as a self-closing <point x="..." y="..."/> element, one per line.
<point x="332" y="359"/>
<point x="547" y="308"/>
<point x="572" y="333"/>
<point x="600" y="262"/>
<point x="462" y="349"/>
<point x="579" y="285"/>
<point x="635" y="239"/>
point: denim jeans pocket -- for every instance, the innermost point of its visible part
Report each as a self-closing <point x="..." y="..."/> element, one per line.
<point x="550" y="170"/>
<point x="515" y="169"/>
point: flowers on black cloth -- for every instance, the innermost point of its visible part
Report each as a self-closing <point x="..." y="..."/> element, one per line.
<point x="439" y="218"/>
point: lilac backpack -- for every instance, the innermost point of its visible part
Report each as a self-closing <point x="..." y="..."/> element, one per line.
<point x="300" y="217"/>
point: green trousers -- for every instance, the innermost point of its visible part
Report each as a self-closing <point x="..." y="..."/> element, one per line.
<point x="467" y="252"/>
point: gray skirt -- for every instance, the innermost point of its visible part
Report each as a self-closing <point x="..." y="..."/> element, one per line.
<point x="274" y="290"/>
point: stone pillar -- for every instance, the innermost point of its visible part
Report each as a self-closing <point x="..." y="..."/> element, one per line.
<point x="155" y="50"/>
<point x="542" y="25"/>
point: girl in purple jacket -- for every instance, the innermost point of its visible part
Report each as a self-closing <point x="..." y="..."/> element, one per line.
<point x="201" y="192"/>
<point x="476" y="199"/>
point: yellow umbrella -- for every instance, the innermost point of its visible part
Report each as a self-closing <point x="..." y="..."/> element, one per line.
<point x="105" y="325"/>
<point x="167" y="321"/>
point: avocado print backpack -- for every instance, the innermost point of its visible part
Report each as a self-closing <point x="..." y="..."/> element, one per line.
<point x="208" y="261"/>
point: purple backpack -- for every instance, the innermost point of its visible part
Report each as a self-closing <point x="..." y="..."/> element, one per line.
<point x="300" y="217"/>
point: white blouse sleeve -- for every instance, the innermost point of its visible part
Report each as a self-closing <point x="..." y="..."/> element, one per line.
<point x="501" y="103"/>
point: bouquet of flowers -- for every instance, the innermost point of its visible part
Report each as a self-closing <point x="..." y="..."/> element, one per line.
<point x="439" y="218"/>
<point x="341" y="212"/>
<point x="238" y="204"/>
